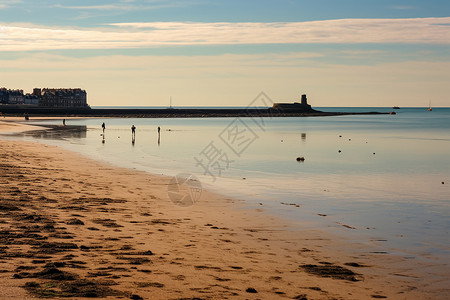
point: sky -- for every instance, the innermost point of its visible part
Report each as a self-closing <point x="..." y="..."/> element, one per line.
<point x="363" y="53"/>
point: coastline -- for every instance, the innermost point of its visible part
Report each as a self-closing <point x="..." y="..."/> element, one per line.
<point x="212" y="249"/>
<point x="175" y="112"/>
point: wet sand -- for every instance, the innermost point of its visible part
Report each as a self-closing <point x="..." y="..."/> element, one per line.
<point x="73" y="227"/>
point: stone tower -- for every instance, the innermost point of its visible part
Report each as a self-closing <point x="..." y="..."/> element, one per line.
<point x="304" y="101"/>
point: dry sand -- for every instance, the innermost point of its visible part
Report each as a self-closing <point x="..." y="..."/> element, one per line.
<point x="12" y="126"/>
<point x="73" y="227"/>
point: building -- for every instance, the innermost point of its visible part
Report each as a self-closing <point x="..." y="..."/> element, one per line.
<point x="30" y="99"/>
<point x="15" y="97"/>
<point x="303" y="106"/>
<point x="11" y="96"/>
<point x="61" y="97"/>
<point x="4" y="96"/>
<point x="57" y="98"/>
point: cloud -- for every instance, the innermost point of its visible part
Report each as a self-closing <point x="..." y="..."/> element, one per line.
<point x="157" y="34"/>
<point x="128" y="5"/>
<point x="98" y="7"/>
<point x="8" y="3"/>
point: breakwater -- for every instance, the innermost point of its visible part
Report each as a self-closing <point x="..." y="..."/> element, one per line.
<point x="170" y="112"/>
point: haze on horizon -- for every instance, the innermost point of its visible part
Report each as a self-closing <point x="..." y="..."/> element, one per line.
<point x="223" y="53"/>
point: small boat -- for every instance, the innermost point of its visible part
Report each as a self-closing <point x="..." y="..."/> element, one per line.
<point x="429" y="107"/>
<point x="395" y="107"/>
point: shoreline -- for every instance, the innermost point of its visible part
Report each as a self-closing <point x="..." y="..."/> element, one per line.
<point x="259" y="243"/>
<point x="176" y="112"/>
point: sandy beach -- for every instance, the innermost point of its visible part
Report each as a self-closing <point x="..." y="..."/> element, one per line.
<point x="74" y="227"/>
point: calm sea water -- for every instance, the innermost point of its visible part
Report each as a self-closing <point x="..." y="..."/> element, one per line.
<point x="386" y="176"/>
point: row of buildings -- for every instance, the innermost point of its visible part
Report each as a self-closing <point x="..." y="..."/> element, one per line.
<point x="45" y="97"/>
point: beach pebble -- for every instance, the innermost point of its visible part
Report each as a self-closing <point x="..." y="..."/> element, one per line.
<point x="136" y="297"/>
<point x="339" y="151"/>
<point x="251" y="290"/>
<point x="442" y="182"/>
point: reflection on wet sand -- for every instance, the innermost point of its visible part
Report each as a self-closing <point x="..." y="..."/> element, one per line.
<point x="58" y="132"/>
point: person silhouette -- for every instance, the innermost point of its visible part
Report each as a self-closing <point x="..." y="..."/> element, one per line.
<point x="159" y="135"/>
<point x="133" y="130"/>
<point x="103" y="126"/>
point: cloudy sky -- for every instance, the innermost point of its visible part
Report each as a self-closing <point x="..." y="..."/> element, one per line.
<point x="223" y="53"/>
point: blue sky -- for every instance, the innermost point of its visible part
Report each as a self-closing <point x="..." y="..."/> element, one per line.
<point x="125" y="52"/>
<point x="91" y="13"/>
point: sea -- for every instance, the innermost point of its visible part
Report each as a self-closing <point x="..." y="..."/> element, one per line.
<point x="383" y="180"/>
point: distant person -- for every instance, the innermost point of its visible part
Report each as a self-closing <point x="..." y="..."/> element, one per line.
<point x="133" y="130"/>
<point x="27" y="117"/>
<point x="64" y="122"/>
<point x="159" y="135"/>
<point x="103" y="126"/>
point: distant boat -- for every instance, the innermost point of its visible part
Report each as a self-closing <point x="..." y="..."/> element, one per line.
<point x="429" y="107"/>
<point x="396" y="107"/>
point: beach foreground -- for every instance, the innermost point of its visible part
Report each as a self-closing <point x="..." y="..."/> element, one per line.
<point x="73" y="227"/>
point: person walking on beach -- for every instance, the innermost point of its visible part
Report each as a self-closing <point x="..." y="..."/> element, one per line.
<point x="103" y="126"/>
<point x="133" y="134"/>
<point x="64" y="122"/>
<point x="159" y="135"/>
